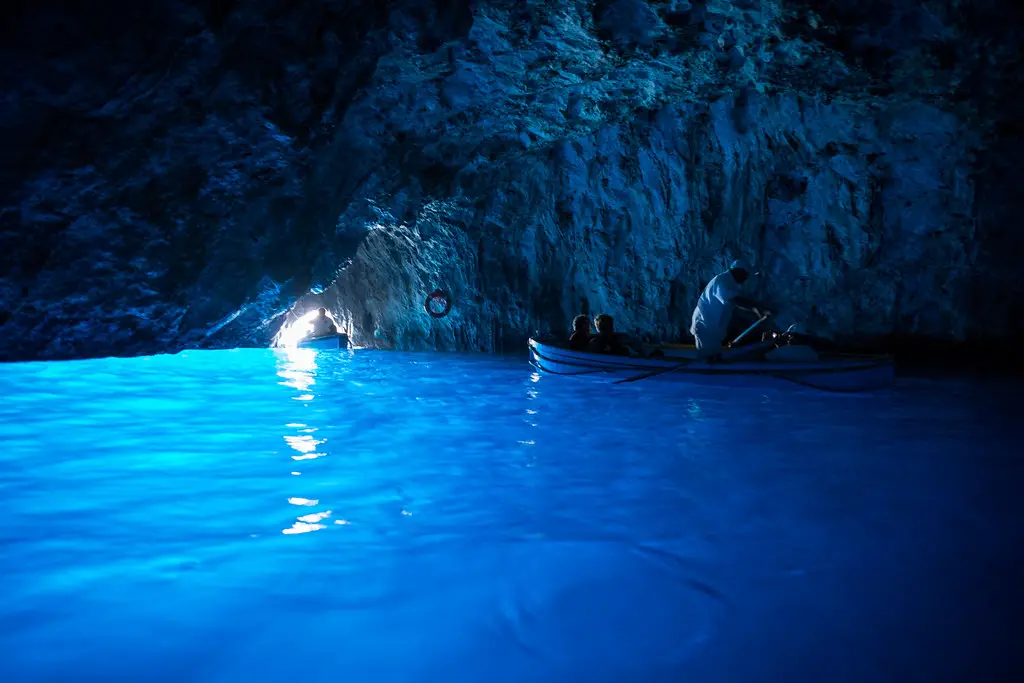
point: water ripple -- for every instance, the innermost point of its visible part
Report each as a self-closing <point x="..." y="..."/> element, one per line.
<point x="262" y="515"/>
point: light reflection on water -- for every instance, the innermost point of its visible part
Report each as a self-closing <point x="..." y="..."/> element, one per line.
<point x="475" y="520"/>
<point x="297" y="367"/>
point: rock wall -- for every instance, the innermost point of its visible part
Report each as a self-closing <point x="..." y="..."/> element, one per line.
<point x="535" y="159"/>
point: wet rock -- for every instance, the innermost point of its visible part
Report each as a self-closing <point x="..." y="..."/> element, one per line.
<point x="184" y="174"/>
<point x="629" y="23"/>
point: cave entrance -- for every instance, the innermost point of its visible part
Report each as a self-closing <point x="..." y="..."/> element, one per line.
<point x="308" y="322"/>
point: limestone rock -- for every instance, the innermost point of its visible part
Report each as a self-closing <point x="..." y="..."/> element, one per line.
<point x="180" y="174"/>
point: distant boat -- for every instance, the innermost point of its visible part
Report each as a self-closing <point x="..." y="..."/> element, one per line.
<point x="829" y="372"/>
<point x="338" y="340"/>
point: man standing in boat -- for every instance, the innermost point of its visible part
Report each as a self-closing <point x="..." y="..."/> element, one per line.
<point x="711" y="317"/>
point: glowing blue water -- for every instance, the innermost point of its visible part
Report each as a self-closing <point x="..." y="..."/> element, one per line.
<point x="259" y="516"/>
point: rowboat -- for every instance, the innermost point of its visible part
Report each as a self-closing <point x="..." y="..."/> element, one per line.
<point x="737" y="368"/>
<point x="337" y="340"/>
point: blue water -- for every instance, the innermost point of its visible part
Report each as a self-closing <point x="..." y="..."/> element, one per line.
<point x="327" y="516"/>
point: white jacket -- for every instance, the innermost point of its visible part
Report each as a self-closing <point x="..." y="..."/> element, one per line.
<point x="714" y="309"/>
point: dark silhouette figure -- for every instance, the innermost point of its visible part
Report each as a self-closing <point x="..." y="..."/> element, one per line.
<point x="580" y="333"/>
<point x="606" y="340"/>
<point x="323" y="325"/>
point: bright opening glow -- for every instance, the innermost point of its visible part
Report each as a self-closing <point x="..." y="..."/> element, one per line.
<point x="292" y="334"/>
<point x="297" y="331"/>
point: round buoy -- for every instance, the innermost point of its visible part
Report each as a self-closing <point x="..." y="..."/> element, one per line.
<point x="438" y="303"/>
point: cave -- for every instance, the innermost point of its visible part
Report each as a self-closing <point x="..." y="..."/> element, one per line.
<point x="202" y="480"/>
<point x="184" y="174"/>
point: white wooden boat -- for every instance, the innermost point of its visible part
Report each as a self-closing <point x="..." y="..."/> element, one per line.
<point x="336" y="340"/>
<point x="829" y="372"/>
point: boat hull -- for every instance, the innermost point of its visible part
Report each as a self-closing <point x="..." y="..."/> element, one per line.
<point x="839" y="373"/>
<point x="327" y="341"/>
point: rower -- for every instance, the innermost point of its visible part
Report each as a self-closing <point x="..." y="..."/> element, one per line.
<point x="714" y="309"/>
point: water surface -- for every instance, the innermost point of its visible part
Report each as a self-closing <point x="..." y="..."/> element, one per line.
<point x="329" y="516"/>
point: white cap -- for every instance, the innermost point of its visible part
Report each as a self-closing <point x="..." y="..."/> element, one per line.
<point x="741" y="264"/>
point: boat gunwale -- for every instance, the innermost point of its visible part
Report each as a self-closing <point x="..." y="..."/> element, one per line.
<point x="823" y="355"/>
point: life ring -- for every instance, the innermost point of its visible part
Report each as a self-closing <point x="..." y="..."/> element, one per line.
<point x="441" y="297"/>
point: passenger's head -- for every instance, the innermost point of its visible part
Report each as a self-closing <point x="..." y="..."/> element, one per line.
<point x="740" y="270"/>
<point x="604" y="324"/>
<point x="580" y="323"/>
<point x="323" y="312"/>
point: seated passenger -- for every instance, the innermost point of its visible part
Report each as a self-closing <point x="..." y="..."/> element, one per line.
<point x="606" y="340"/>
<point x="580" y="333"/>
<point x="323" y="325"/>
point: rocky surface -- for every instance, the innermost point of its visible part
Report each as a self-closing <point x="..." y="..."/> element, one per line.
<point x="181" y="174"/>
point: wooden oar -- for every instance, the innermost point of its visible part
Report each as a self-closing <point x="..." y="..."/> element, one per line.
<point x="661" y="371"/>
<point x="750" y="329"/>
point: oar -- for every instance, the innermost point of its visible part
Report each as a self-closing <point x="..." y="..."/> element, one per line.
<point x="750" y="329"/>
<point x="661" y="371"/>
